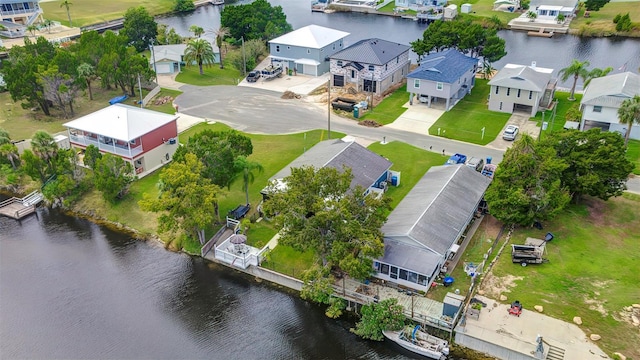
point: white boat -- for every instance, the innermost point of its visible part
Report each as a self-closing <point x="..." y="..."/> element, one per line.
<point x="420" y="342"/>
<point x="216" y="2"/>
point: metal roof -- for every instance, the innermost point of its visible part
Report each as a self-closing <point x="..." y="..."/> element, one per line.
<point x="312" y="36"/>
<point x="410" y="257"/>
<point x="611" y="90"/>
<point x="371" y="51"/>
<point x="564" y="3"/>
<point x="522" y="77"/>
<point x="446" y="66"/>
<point x="121" y="122"/>
<point x="366" y="166"/>
<point x="436" y="211"/>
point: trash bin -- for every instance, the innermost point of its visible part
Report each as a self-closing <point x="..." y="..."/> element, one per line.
<point x="356" y="111"/>
<point x="549" y="237"/>
<point x="290" y="72"/>
<point x="489" y="158"/>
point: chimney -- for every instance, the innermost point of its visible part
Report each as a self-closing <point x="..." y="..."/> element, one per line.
<point x="533" y="64"/>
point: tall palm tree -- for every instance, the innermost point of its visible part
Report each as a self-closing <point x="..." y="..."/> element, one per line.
<point x="66" y="4"/>
<point x="246" y="169"/>
<point x="44" y="146"/>
<point x="196" y="30"/>
<point x="629" y="113"/>
<point x="10" y="152"/>
<point x="88" y="74"/>
<point x="576" y="69"/>
<point x="596" y="73"/>
<point x="32" y="29"/>
<point x="220" y="34"/>
<point x="199" y="51"/>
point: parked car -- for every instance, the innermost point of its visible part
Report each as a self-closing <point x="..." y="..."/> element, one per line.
<point x="253" y="76"/>
<point x="510" y="132"/>
<point x="476" y="163"/>
<point x="456" y="159"/>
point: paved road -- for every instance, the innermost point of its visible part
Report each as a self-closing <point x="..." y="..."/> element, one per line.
<point x="263" y="111"/>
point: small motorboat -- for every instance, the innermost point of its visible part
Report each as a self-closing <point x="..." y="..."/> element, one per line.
<point x="417" y="340"/>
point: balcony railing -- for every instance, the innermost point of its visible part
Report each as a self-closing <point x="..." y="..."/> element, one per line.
<point x="18" y="11"/>
<point x="110" y="148"/>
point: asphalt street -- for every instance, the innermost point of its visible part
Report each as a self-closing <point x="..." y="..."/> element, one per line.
<point x="264" y="112"/>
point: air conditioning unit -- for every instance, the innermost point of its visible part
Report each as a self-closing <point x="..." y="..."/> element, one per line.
<point x="383" y="185"/>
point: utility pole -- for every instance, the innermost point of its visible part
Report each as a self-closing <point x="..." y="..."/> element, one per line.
<point x="329" y="108"/>
<point x="244" y="59"/>
<point x="153" y="54"/>
<point x="140" y="90"/>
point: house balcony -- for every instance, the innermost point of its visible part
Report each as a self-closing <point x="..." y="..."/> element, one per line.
<point x="113" y="148"/>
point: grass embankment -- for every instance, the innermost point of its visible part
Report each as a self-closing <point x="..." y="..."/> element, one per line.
<point x="633" y="154"/>
<point x="600" y="23"/>
<point x="87" y="12"/>
<point x="390" y="108"/>
<point x="389" y="8"/>
<point x="593" y="270"/>
<point x="557" y="123"/>
<point x="464" y="122"/>
<point x="213" y="75"/>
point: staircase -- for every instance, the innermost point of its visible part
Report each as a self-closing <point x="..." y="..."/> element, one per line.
<point x="555" y="353"/>
<point x="32" y="199"/>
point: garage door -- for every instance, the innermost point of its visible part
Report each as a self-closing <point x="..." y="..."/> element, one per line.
<point x="338" y="80"/>
<point x="163" y="68"/>
<point x="309" y="70"/>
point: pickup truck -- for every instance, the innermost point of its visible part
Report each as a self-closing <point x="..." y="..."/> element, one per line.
<point x="456" y="159"/>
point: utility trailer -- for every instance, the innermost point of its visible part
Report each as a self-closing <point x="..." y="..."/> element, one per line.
<point x="271" y="72"/>
<point x="532" y="252"/>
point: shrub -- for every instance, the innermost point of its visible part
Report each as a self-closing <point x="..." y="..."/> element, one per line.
<point x="616" y="18"/>
<point x="184" y="5"/>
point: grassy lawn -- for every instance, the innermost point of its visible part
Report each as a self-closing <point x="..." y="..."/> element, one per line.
<point x="466" y="119"/>
<point x="600" y="22"/>
<point x="213" y="75"/>
<point x="286" y="260"/>
<point x="390" y="108"/>
<point x="633" y="154"/>
<point x="593" y="268"/>
<point x="87" y="12"/>
<point x="557" y="123"/>
<point x="166" y="108"/>
<point x="484" y="8"/>
<point x="392" y="5"/>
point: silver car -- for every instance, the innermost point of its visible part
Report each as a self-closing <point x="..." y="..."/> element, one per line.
<point x="510" y="132"/>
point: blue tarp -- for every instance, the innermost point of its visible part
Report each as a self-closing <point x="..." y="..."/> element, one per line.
<point x="118" y="99"/>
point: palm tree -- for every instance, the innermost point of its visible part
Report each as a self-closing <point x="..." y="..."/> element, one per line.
<point x="245" y="169"/>
<point x="220" y="34"/>
<point x="48" y="24"/>
<point x="88" y="74"/>
<point x="576" y="69"/>
<point x="596" y="73"/>
<point x="196" y="30"/>
<point x="10" y="152"/>
<point x="32" y="29"/>
<point x="629" y="113"/>
<point x="66" y="4"/>
<point x="45" y="147"/>
<point x="199" y="51"/>
<point x="4" y="137"/>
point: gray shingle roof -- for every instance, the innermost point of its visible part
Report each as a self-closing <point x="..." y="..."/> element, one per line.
<point x="522" y="77"/>
<point x="410" y="257"/>
<point x="445" y="66"/>
<point x="611" y="90"/>
<point x="366" y="166"/>
<point x="438" y="208"/>
<point x="371" y="51"/>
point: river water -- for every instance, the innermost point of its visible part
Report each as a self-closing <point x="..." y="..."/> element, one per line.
<point x="555" y="53"/>
<point x="70" y="289"/>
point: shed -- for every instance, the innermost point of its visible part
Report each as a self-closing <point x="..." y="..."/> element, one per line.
<point x="450" y="12"/>
<point x="452" y="304"/>
<point x="465" y="8"/>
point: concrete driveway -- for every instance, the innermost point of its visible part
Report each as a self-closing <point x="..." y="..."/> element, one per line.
<point x="418" y="118"/>
<point x="299" y="84"/>
<point x="526" y="126"/>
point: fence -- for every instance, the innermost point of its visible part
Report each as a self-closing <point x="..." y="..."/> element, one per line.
<point x="151" y="95"/>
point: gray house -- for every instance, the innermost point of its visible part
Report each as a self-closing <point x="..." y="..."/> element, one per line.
<point x="448" y="75"/>
<point x="425" y="229"/>
<point x="373" y="65"/>
<point x="521" y="88"/>
<point x="550" y="9"/>
<point x="168" y="59"/>
<point x="307" y="50"/>
<point x="602" y="99"/>
<point x="369" y="169"/>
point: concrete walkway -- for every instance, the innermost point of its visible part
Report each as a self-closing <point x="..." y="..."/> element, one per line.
<point x="185" y="121"/>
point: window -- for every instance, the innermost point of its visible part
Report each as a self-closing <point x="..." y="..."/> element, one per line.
<point x="508" y="91"/>
<point x="518" y="92"/>
<point x="288" y="47"/>
<point x="397" y="59"/>
<point x="339" y="62"/>
<point x="394" y="272"/>
<point x="497" y="89"/>
<point x="530" y="94"/>
<point x="334" y="46"/>
<point x="308" y="51"/>
<point x="403" y="72"/>
<point x="371" y="67"/>
<point x="277" y="48"/>
<point x="413" y="277"/>
<point x="403" y="274"/>
<point x="384" y="269"/>
<point x="597" y="109"/>
<point x="392" y="76"/>
<point x="500" y="105"/>
<point x="353" y="74"/>
<point x="439" y="86"/>
<point x="376" y="265"/>
<point x="422" y="280"/>
<point x="416" y="83"/>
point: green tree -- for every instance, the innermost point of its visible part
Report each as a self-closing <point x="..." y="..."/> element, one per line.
<point x="199" y="51"/>
<point x="196" y="30"/>
<point x="629" y="113"/>
<point x="45" y="147"/>
<point x="187" y="199"/>
<point x="87" y="74"/>
<point x="527" y="184"/>
<point x="577" y="69"/>
<point x="319" y="212"/>
<point x="34" y="166"/>
<point x="67" y="4"/>
<point x="4" y="137"/>
<point x="624" y="22"/>
<point x="377" y="317"/>
<point x="59" y="88"/>
<point x="220" y="34"/>
<point x="574" y="113"/>
<point x="9" y="152"/>
<point x="256" y="20"/>
<point x="168" y="36"/>
<point x="184" y="6"/>
<point x="245" y="169"/>
<point x="91" y="156"/>
<point x="139" y="27"/>
<point x="596" y="73"/>
<point x="597" y="165"/>
<point x="595" y="5"/>
<point x="32" y="29"/>
<point x="112" y="177"/>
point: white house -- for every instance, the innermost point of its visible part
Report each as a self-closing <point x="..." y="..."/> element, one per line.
<point x="521" y="88"/>
<point x="550" y="9"/>
<point x="169" y="59"/>
<point x="602" y="99"/>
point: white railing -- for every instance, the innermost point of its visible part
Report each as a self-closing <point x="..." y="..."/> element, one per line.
<point x="111" y="148"/>
<point x="18" y="11"/>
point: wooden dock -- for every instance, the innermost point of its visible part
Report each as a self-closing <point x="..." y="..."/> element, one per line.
<point x="17" y="208"/>
<point x="540" y="33"/>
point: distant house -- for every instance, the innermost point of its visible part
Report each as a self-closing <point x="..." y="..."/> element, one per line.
<point x="369" y="169"/>
<point x="550" y="9"/>
<point x="307" y="50"/>
<point x="373" y="65"/>
<point x="169" y="59"/>
<point x="417" y="4"/>
<point x="447" y="75"/>
<point x="521" y="88"/>
<point x="427" y="227"/>
<point x="16" y="15"/>
<point x="146" y="139"/>
<point x="603" y="97"/>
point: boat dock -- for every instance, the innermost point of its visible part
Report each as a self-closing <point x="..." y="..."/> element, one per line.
<point x="541" y="33"/>
<point x="17" y="208"/>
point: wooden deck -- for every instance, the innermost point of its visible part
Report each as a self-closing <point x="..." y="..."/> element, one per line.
<point x="17" y="210"/>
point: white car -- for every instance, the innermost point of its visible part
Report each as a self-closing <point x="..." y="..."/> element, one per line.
<point x="510" y="132"/>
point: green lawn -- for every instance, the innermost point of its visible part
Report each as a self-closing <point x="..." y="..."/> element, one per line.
<point x="392" y="5"/>
<point x="87" y="12"/>
<point x="167" y="107"/>
<point x="484" y="9"/>
<point x="286" y="260"/>
<point x="633" y="154"/>
<point x="390" y="108"/>
<point x="557" y="123"/>
<point x="593" y="268"/>
<point x="213" y="75"/>
<point x="600" y="23"/>
<point x="464" y="122"/>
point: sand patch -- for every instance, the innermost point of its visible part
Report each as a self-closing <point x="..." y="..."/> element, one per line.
<point x="596" y="305"/>
<point x="494" y="286"/>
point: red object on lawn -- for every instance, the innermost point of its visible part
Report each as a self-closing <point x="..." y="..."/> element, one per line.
<point x="516" y="308"/>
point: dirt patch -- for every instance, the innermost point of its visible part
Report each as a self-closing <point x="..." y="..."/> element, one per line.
<point x="290" y="95"/>
<point x="369" y="123"/>
<point x="596" y="209"/>
<point x="596" y="305"/>
<point x="493" y="286"/>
